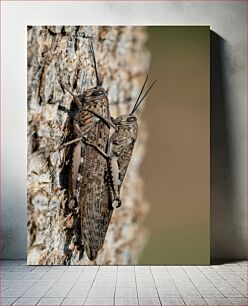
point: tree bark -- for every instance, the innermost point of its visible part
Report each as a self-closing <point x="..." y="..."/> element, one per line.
<point x="56" y="52"/>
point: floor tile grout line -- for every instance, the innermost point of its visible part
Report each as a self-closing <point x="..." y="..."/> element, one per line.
<point x="204" y="274"/>
<point x="14" y="301"/>
<point x="210" y="282"/>
<point x="244" y="266"/>
<point x="20" y="298"/>
<point x="32" y="286"/>
<point x="204" y="299"/>
<point x="231" y="301"/>
<point x="219" y="273"/>
<point x="155" y="285"/>
<point x="117" y="271"/>
<point x="73" y="285"/>
<point x="25" y="291"/>
<point x="136" y="286"/>
<point x="229" y="283"/>
<point x="38" y="281"/>
<point x="175" y="286"/>
<point x="231" y="271"/>
<point x="98" y="267"/>
<point x="193" y="285"/>
<point x="38" y="301"/>
<point x="219" y="266"/>
<point x="240" y="276"/>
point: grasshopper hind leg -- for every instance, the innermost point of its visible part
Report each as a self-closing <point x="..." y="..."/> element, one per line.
<point x="115" y="181"/>
<point x="114" y="174"/>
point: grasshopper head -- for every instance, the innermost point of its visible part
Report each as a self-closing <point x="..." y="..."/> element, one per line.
<point x="127" y="127"/>
<point x="125" y="120"/>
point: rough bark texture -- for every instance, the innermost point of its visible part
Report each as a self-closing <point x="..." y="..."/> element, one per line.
<point x="63" y="52"/>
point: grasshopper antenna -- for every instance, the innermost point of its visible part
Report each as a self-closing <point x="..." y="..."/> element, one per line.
<point x="83" y="83"/>
<point x="138" y="103"/>
<point x="74" y="96"/>
<point x="139" y="94"/>
<point x="65" y="88"/>
<point x="94" y="59"/>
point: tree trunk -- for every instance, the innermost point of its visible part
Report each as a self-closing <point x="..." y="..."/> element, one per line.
<point x="56" y="52"/>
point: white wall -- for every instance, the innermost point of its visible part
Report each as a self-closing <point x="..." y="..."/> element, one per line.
<point x="228" y="124"/>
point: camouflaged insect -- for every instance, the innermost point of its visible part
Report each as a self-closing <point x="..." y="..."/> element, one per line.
<point x="87" y="167"/>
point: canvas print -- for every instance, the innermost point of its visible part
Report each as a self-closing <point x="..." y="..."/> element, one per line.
<point x="118" y="145"/>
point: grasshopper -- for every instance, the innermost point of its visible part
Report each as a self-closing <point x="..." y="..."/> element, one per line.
<point x="121" y="146"/>
<point x="87" y="167"/>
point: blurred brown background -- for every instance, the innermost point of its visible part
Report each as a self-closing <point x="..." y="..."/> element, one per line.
<point x="176" y="168"/>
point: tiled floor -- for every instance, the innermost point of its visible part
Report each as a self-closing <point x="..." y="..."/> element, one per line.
<point x="131" y="285"/>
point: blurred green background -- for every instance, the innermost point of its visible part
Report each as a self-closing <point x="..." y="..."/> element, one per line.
<point x="176" y="168"/>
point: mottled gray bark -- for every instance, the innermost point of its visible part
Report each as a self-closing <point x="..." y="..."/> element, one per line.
<point x="63" y="52"/>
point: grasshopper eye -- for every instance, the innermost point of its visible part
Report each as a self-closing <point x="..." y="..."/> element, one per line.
<point x="115" y="142"/>
<point x="131" y="119"/>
